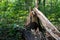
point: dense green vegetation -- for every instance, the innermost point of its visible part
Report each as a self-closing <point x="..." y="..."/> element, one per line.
<point x="13" y="14"/>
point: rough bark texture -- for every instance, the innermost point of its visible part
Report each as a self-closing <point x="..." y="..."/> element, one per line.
<point x="50" y="28"/>
<point x="28" y="35"/>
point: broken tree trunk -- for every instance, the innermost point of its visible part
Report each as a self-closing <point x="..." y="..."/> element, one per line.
<point x="50" y="28"/>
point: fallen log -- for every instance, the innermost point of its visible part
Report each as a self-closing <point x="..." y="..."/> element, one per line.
<point x="50" y="28"/>
<point x="28" y="35"/>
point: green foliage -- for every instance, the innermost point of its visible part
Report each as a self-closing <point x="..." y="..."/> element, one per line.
<point x="13" y="14"/>
<point x="10" y="34"/>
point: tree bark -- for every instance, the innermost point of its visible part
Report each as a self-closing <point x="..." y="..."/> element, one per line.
<point x="50" y="28"/>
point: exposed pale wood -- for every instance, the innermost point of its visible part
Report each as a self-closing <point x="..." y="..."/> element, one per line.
<point x="50" y="28"/>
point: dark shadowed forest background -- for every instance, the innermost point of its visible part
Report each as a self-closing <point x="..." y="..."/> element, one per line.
<point x="13" y="14"/>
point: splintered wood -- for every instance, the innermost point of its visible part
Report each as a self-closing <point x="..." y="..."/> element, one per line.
<point x="50" y="28"/>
